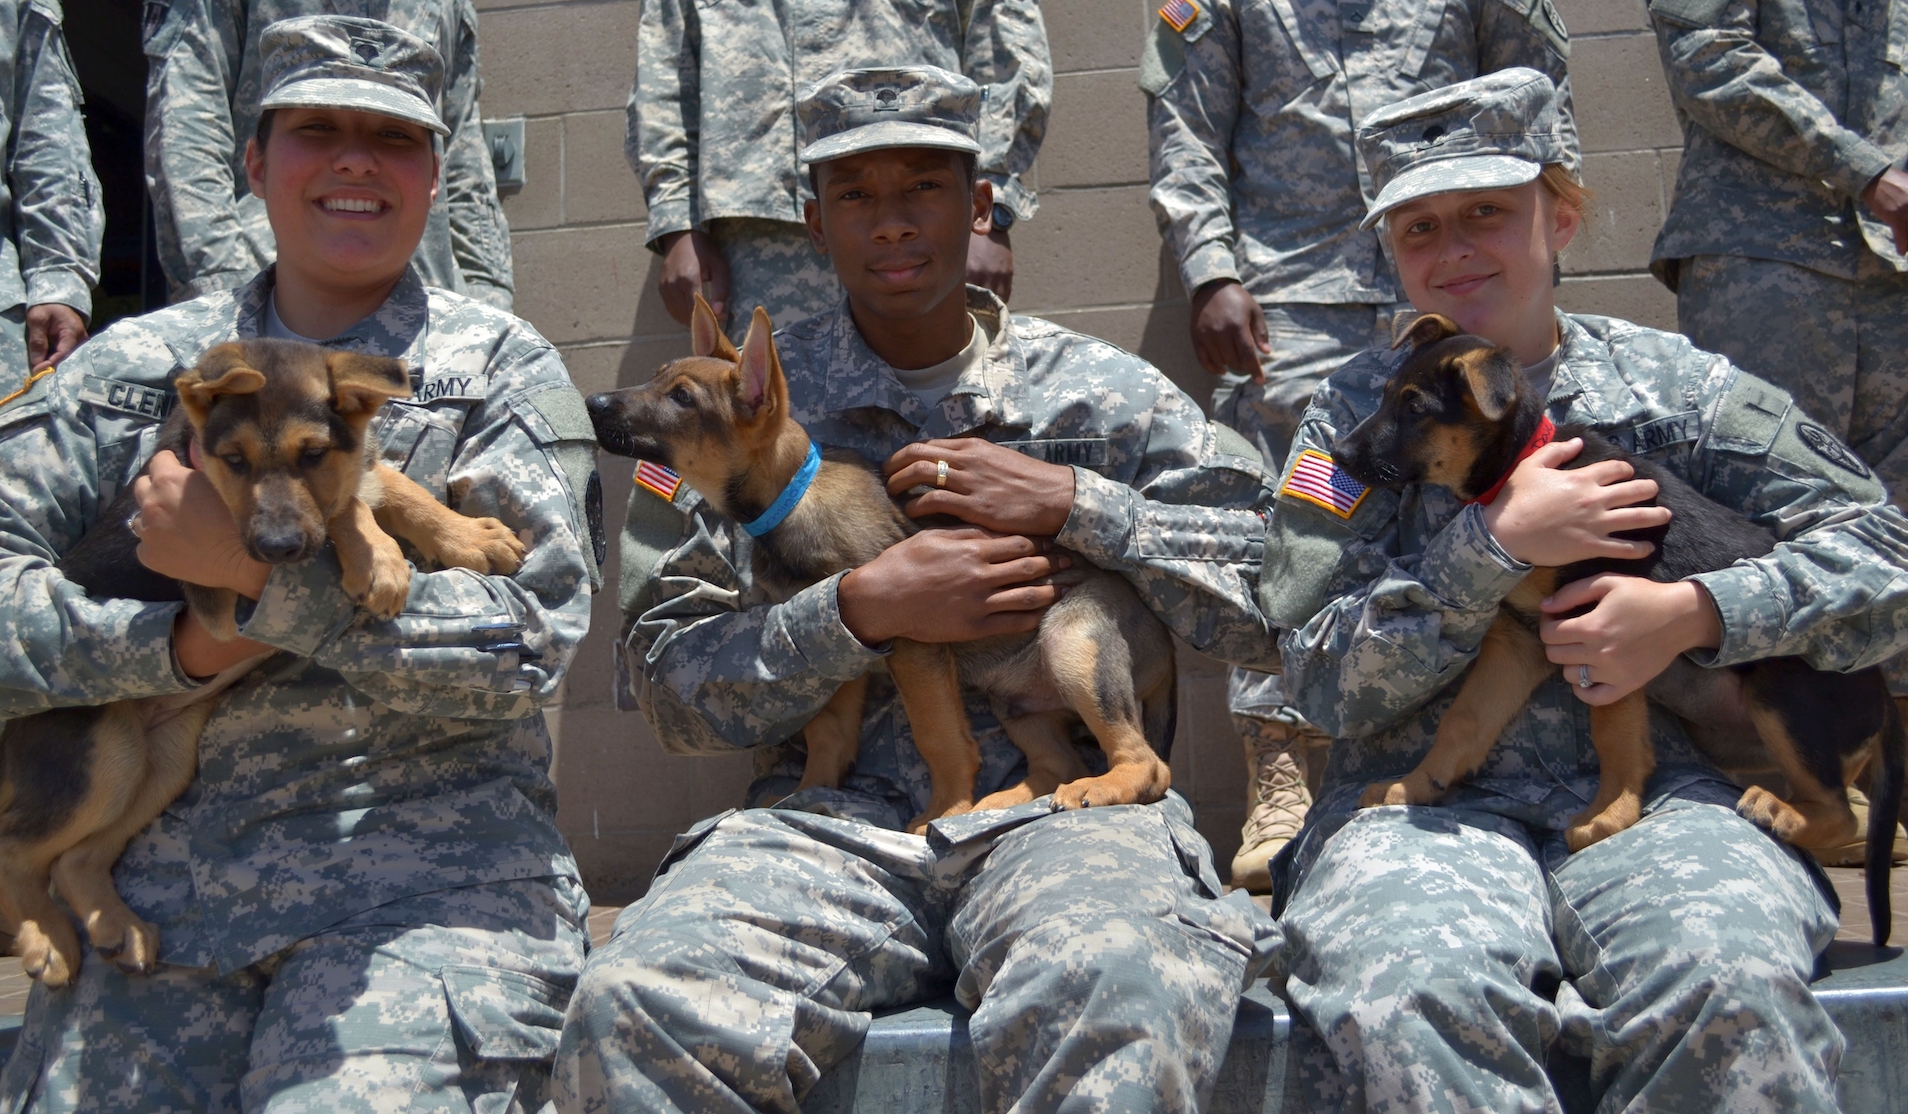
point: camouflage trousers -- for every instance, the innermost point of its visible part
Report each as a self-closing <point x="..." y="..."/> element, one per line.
<point x="1309" y="342"/>
<point x="1102" y="966"/>
<point x="446" y="1002"/>
<point x="1441" y="953"/>
<point x="772" y="264"/>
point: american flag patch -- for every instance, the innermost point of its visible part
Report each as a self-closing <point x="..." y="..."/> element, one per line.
<point x="1317" y="480"/>
<point x="1179" y="14"/>
<point x="657" y="479"/>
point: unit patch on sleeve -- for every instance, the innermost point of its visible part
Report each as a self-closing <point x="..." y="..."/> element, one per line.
<point x="1829" y="449"/>
<point x="1317" y="480"/>
<point x="659" y="480"/>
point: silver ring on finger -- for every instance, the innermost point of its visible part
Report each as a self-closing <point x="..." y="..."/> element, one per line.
<point x="1583" y="677"/>
<point x="136" y="524"/>
<point x="940" y="473"/>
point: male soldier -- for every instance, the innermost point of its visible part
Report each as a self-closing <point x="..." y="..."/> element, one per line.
<point x="51" y="219"/>
<point x="1101" y="966"/>
<point x="1784" y="243"/>
<point x="1256" y="186"/>
<point x="364" y="894"/>
<point x="203" y="80"/>
<point x="712" y="134"/>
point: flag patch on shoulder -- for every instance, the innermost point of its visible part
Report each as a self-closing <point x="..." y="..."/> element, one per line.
<point x="657" y="479"/>
<point x="1179" y="14"/>
<point x="1317" y="480"/>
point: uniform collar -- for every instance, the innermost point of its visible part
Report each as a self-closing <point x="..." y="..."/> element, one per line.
<point x="993" y="394"/>
<point x="398" y="328"/>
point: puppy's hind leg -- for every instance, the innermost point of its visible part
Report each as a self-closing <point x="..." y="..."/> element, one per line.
<point x="1626" y="758"/>
<point x="929" y="683"/>
<point x="833" y="737"/>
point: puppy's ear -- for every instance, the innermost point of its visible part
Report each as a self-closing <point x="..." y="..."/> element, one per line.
<point x="1493" y="377"/>
<point x="361" y="383"/>
<point x="761" y="393"/>
<point x="1426" y="329"/>
<point x="706" y="337"/>
<point x="223" y="370"/>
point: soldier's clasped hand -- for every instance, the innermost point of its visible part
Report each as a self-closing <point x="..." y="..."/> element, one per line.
<point x="987" y="485"/>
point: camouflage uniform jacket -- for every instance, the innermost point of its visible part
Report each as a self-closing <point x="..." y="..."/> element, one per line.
<point x="367" y="761"/>
<point x="1790" y="108"/>
<point x="1254" y="107"/>
<point x="202" y="94"/>
<point x="712" y="130"/>
<point x="1162" y="496"/>
<point x="51" y="216"/>
<point x="1385" y="609"/>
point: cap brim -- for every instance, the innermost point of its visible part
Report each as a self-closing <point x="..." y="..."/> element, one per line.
<point x="876" y="137"/>
<point x="356" y="96"/>
<point x="1463" y="172"/>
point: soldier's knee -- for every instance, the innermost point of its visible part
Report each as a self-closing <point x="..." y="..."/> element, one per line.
<point x="655" y="980"/>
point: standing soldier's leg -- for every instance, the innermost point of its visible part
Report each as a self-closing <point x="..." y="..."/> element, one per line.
<point x="1309" y="342"/>
<point x="772" y="264"/>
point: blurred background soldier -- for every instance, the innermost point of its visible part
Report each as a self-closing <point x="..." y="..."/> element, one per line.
<point x="50" y="201"/>
<point x="1258" y="191"/>
<point x="1784" y="241"/>
<point x="202" y="91"/>
<point x="712" y="134"/>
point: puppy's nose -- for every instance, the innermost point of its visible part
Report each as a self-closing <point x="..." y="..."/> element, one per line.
<point x="276" y="549"/>
<point x="599" y="405"/>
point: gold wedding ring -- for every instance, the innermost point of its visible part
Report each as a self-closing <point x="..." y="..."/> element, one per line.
<point x="940" y="473"/>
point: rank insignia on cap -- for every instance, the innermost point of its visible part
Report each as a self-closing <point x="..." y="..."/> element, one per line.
<point x="1179" y="14"/>
<point x="657" y="479"/>
<point x="1317" y="480"/>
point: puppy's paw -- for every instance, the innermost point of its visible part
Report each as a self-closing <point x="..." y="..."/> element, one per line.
<point x="482" y="545"/>
<point x="1129" y="783"/>
<point x="1766" y="810"/>
<point x="119" y="935"/>
<point x="51" y="956"/>
<point x="382" y="584"/>
<point x="1005" y="798"/>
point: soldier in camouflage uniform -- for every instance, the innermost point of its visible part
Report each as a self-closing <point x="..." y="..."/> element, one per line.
<point x="1441" y="952"/>
<point x="712" y="134"/>
<point x="1252" y="108"/>
<point x="1101" y="964"/>
<point x="364" y="894"/>
<point x="203" y="79"/>
<point x="51" y="218"/>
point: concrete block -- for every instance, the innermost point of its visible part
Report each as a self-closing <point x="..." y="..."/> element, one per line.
<point x="1624" y="215"/>
<point x="1093" y="247"/>
<point x="589" y="284"/>
<point x="1601" y="17"/>
<point x="1098" y="131"/>
<point x="540" y="62"/>
<point x="1621" y="99"/>
<point x="1081" y="36"/>
<point x="598" y="185"/>
<point x="1639" y="298"/>
<point x="540" y="203"/>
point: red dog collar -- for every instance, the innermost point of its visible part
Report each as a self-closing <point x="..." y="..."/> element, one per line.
<point x="1546" y="433"/>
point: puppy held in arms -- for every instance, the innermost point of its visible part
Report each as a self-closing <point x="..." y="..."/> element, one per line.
<point x="281" y="430"/>
<point x="1460" y="413"/>
<point x="720" y="419"/>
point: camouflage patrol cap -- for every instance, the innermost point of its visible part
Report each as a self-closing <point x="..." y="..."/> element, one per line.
<point x="866" y="110"/>
<point x="341" y="61"/>
<point x="1487" y="133"/>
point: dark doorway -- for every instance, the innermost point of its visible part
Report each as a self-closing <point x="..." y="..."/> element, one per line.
<point x="104" y="38"/>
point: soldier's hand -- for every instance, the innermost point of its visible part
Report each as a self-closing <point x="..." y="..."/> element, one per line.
<point x="987" y="485"/>
<point x="1551" y="515"/>
<point x="691" y="259"/>
<point x="53" y="330"/>
<point x="990" y="262"/>
<point x="186" y="531"/>
<point x="1228" y="329"/>
<point x="1887" y="198"/>
<point x="1632" y="632"/>
<point x="950" y="586"/>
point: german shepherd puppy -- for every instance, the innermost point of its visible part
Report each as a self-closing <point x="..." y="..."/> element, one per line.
<point x="720" y="419"/>
<point x="1457" y="414"/>
<point x="280" y="428"/>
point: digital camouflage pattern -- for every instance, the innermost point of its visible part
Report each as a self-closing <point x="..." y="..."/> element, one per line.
<point x="887" y="106"/>
<point x="451" y="1001"/>
<point x="51" y="215"/>
<point x="368" y="761"/>
<point x="341" y="61"/>
<point x="1386" y="609"/>
<point x="773" y="264"/>
<point x="1790" y="108"/>
<point x="712" y="129"/>
<point x="1253" y="110"/>
<point x="1102" y="966"/>
<point x="203" y="87"/>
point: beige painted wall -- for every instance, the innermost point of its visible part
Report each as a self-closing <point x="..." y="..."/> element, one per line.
<point x="1092" y="259"/>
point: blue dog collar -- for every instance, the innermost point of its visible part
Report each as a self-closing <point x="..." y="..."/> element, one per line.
<point x="791" y="495"/>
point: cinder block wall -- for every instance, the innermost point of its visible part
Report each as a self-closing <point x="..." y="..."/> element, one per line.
<point x="1092" y="259"/>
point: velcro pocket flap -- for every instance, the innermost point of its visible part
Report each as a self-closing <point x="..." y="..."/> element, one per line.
<point x="505" y="1015"/>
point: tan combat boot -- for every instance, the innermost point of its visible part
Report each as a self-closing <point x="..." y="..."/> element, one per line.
<point x="1851" y="853"/>
<point x="1275" y="753"/>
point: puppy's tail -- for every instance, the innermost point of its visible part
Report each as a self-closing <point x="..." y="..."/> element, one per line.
<point x="1884" y="812"/>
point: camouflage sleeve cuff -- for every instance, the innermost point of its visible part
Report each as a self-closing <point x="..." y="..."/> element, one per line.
<point x="812" y="618"/>
<point x="302" y="607"/>
<point x="57" y="284"/>
<point x="1209" y="262"/>
<point x="1100" y="526"/>
<point x="668" y="217"/>
<point x="1010" y="191"/>
<point x="1466" y="568"/>
<point x="1858" y="162"/>
<point x="1750" y="610"/>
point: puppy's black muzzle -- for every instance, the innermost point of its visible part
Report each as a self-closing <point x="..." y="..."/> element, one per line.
<point x="614" y="414"/>
<point x="1362" y="453"/>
